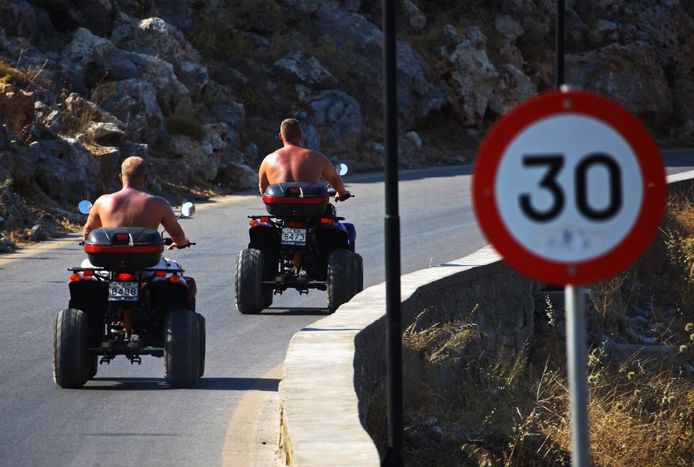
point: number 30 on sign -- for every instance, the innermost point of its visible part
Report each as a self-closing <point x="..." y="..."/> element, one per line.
<point x="569" y="187"/>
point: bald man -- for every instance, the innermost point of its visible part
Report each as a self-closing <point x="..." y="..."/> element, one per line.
<point x="293" y="163"/>
<point x="132" y="207"/>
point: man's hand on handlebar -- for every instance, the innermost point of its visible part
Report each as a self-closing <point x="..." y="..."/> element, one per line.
<point x="173" y="245"/>
<point x="344" y="196"/>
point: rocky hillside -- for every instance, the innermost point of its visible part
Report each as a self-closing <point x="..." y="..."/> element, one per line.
<point x="199" y="87"/>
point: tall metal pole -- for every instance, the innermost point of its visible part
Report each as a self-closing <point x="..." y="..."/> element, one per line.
<point x="577" y="355"/>
<point x="559" y="62"/>
<point x="394" y="452"/>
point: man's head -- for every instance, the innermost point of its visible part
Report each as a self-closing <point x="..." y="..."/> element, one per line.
<point x="290" y="131"/>
<point x="133" y="171"/>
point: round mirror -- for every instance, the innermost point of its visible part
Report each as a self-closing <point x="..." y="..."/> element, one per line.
<point x="84" y="206"/>
<point x="187" y="209"/>
<point x="342" y="169"/>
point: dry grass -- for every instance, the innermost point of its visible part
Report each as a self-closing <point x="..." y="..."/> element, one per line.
<point x="469" y="406"/>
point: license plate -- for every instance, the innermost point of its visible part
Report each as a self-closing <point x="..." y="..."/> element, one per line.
<point x="293" y="236"/>
<point x="123" y="291"/>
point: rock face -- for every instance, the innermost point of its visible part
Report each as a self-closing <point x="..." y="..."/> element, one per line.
<point x="199" y="88"/>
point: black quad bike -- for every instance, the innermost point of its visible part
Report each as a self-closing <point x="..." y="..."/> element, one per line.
<point x="128" y="303"/>
<point x="300" y="245"/>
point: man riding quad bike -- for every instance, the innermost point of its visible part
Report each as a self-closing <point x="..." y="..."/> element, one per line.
<point x="126" y="299"/>
<point x="301" y="244"/>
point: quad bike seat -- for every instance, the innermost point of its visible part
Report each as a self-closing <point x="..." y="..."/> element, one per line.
<point x="124" y="247"/>
<point x="296" y="199"/>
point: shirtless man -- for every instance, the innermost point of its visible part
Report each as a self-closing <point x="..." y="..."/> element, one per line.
<point x="132" y="207"/>
<point x="293" y="163"/>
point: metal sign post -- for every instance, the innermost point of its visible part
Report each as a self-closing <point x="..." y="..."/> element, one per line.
<point x="576" y="353"/>
<point x="576" y="356"/>
<point x="394" y="451"/>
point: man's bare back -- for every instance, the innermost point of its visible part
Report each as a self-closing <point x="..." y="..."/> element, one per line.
<point x="133" y="207"/>
<point x="130" y="208"/>
<point x="293" y="163"/>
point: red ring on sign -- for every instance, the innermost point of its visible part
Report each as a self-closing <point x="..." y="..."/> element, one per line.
<point x="648" y="157"/>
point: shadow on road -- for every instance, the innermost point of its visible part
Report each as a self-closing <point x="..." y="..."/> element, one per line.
<point x="278" y="311"/>
<point x="214" y="383"/>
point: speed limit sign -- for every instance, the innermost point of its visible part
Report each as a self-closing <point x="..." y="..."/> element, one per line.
<point x="569" y="187"/>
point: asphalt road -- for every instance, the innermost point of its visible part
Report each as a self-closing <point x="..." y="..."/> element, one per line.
<point x="127" y="415"/>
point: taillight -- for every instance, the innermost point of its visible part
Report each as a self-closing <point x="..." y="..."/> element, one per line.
<point x="74" y="277"/>
<point x="87" y="272"/>
<point x="253" y="223"/>
<point x="264" y="219"/>
<point x="175" y="279"/>
<point x="295" y="224"/>
<point x="124" y="276"/>
<point x="327" y="220"/>
<point x="160" y="273"/>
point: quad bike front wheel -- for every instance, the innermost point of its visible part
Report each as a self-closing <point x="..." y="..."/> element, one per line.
<point x="250" y="298"/>
<point x="358" y="273"/>
<point x="201" y="340"/>
<point x="71" y="365"/>
<point x="341" y="278"/>
<point x="182" y="348"/>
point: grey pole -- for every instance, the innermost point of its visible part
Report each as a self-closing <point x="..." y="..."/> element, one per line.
<point x="394" y="452"/>
<point x="577" y="356"/>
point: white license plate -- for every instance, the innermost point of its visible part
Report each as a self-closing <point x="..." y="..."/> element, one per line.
<point x="123" y="291"/>
<point x="293" y="236"/>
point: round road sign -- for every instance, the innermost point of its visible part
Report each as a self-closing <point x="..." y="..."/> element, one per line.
<point x="569" y="187"/>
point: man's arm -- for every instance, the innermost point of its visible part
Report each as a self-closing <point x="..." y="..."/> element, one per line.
<point x="263" y="181"/>
<point x="172" y="226"/>
<point x="334" y="179"/>
<point x="93" y="220"/>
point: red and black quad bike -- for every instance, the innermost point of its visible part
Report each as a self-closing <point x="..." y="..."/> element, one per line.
<point x="300" y="245"/>
<point x="130" y="302"/>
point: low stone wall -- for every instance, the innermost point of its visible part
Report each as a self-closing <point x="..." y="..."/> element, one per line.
<point x="334" y="366"/>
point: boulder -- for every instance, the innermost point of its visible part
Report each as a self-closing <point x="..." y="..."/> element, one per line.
<point x="105" y="134"/>
<point x="630" y="74"/>
<point x="222" y="107"/>
<point x="361" y="42"/>
<point x="134" y="102"/>
<point x="304" y="68"/>
<point x="478" y="86"/>
<point x="16" y="107"/>
<point x="97" y="59"/>
<point x="337" y="116"/>
<point x="160" y="74"/>
<point x="157" y="38"/>
<point x="236" y="176"/>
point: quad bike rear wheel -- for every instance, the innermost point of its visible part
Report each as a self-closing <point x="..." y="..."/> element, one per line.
<point x="341" y="278"/>
<point x="182" y="348"/>
<point x="250" y="298"/>
<point x="70" y="359"/>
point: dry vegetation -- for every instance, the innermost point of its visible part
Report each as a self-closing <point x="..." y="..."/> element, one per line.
<point x="512" y="409"/>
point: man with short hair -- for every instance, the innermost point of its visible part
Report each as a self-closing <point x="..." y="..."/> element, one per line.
<point x="293" y="163"/>
<point x="133" y="207"/>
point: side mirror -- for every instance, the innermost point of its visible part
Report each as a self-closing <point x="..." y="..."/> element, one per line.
<point x="84" y="206"/>
<point x="187" y="209"/>
<point x="342" y="169"/>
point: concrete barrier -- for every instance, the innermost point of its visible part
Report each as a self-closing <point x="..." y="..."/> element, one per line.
<point x="334" y="366"/>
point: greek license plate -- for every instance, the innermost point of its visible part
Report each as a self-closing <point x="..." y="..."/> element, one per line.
<point x="293" y="236"/>
<point x="123" y="291"/>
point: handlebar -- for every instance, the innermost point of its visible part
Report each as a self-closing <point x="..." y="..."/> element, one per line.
<point x="168" y="241"/>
